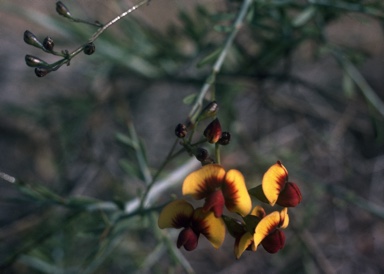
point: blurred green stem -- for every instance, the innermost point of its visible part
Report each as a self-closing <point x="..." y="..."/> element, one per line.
<point x="360" y="81"/>
<point x="220" y="60"/>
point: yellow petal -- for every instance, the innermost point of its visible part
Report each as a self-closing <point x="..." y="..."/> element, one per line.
<point x="204" y="181"/>
<point x="273" y="182"/>
<point x="284" y="218"/>
<point x="176" y="214"/>
<point x="211" y="227"/>
<point x="235" y="192"/>
<point x="258" y="211"/>
<point x="265" y="226"/>
<point x="242" y="244"/>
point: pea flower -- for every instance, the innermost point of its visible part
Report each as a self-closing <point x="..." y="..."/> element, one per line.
<point x="275" y="188"/>
<point x="265" y="231"/>
<point x="181" y="214"/>
<point x="219" y="188"/>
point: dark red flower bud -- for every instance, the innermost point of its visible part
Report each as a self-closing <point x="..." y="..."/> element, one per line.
<point x="181" y="131"/>
<point x="187" y="238"/>
<point x="89" y="48"/>
<point x="290" y="196"/>
<point x="41" y="71"/>
<point x="213" y="131"/>
<point x="274" y="241"/>
<point x="225" y="138"/>
<point x="32" y="40"/>
<point x="63" y="10"/>
<point x="33" y="61"/>
<point x="48" y="43"/>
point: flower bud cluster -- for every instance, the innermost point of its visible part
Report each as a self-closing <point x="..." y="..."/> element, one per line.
<point x="212" y="133"/>
<point x="42" y="68"/>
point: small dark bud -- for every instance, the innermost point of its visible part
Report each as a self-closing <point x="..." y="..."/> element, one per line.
<point x="213" y="131"/>
<point x="201" y="154"/>
<point x="33" y="61"/>
<point x="224" y="139"/>
<point x="89" y="48"/>
<point x="181" y="131"/>
<point x="63" y="10"/>
<point x="209" y="111"/>
<point x="41" y="71"/>
<point x="32" y="40"/>
<point x="48" y="43"/>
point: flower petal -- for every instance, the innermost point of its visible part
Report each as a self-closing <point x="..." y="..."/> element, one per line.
<point x="242" y="244"/>
<point x="176" y="214"/>
<point x="284" y="218"/>
<point x="273" y="182"/>
<point x="235" y="192"/>
<point x="215" y="203"/>
<point x="274" y="241"/>
<point x="258" y="211"/>
<point x="211" y="227"/>
<point x="204" y="181"/>
<point x="290" y="196"/>
<point x="187" y="238"/>
<point x="267" y="225"/>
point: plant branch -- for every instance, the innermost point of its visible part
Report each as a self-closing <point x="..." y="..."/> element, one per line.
<point x="96" y="35"/>
<point x="360" y="81"/>
<point x="220" y="60"/>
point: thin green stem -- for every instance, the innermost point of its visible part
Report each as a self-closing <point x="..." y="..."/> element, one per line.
<point x="114" y="20"/>
<point x="360" y="81"/>
<point x="220" y="60"/>
<point x="217" y="153"/>
<point x="159" y="170"/>
<point x="140" y="154"/>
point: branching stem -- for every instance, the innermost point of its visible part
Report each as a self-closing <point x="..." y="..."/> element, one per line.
<point x="220" y="60"/>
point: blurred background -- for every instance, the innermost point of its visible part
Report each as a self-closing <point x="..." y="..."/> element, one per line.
<point x="302" y="83"/>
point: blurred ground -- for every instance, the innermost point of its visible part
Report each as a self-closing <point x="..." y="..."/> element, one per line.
<point x="60" y="130"/>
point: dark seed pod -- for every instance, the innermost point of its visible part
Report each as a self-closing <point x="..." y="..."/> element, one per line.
<point x="89" y="48"/>
<point x="181" y="131"/>
<point x="41" y="71"/>
<point x="224" y="139"/>
<point x="48" y="43"/>
<point x="63" y="10"/>
<point x="32" y="40"/>
<point x="33" y="61"/>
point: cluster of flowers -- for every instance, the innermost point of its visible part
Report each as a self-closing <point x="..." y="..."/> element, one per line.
<point x="221" y="188"/>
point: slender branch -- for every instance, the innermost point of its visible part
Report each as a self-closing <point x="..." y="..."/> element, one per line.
<point x="161" y="186"/>
<point x="360" y="81"/>
<point x="7" y="177"/>
<point x="220" y="60"/>
<point x="113" y="21"/>
<point x="96" y="35"/>
<point x="160" y="169"/>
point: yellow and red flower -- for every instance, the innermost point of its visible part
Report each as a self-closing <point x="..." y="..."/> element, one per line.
<point x="181" y="214"/>
<point x="275" y="188"/>
<point x="262" y="229"/>
<point x="219" y="188"/>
